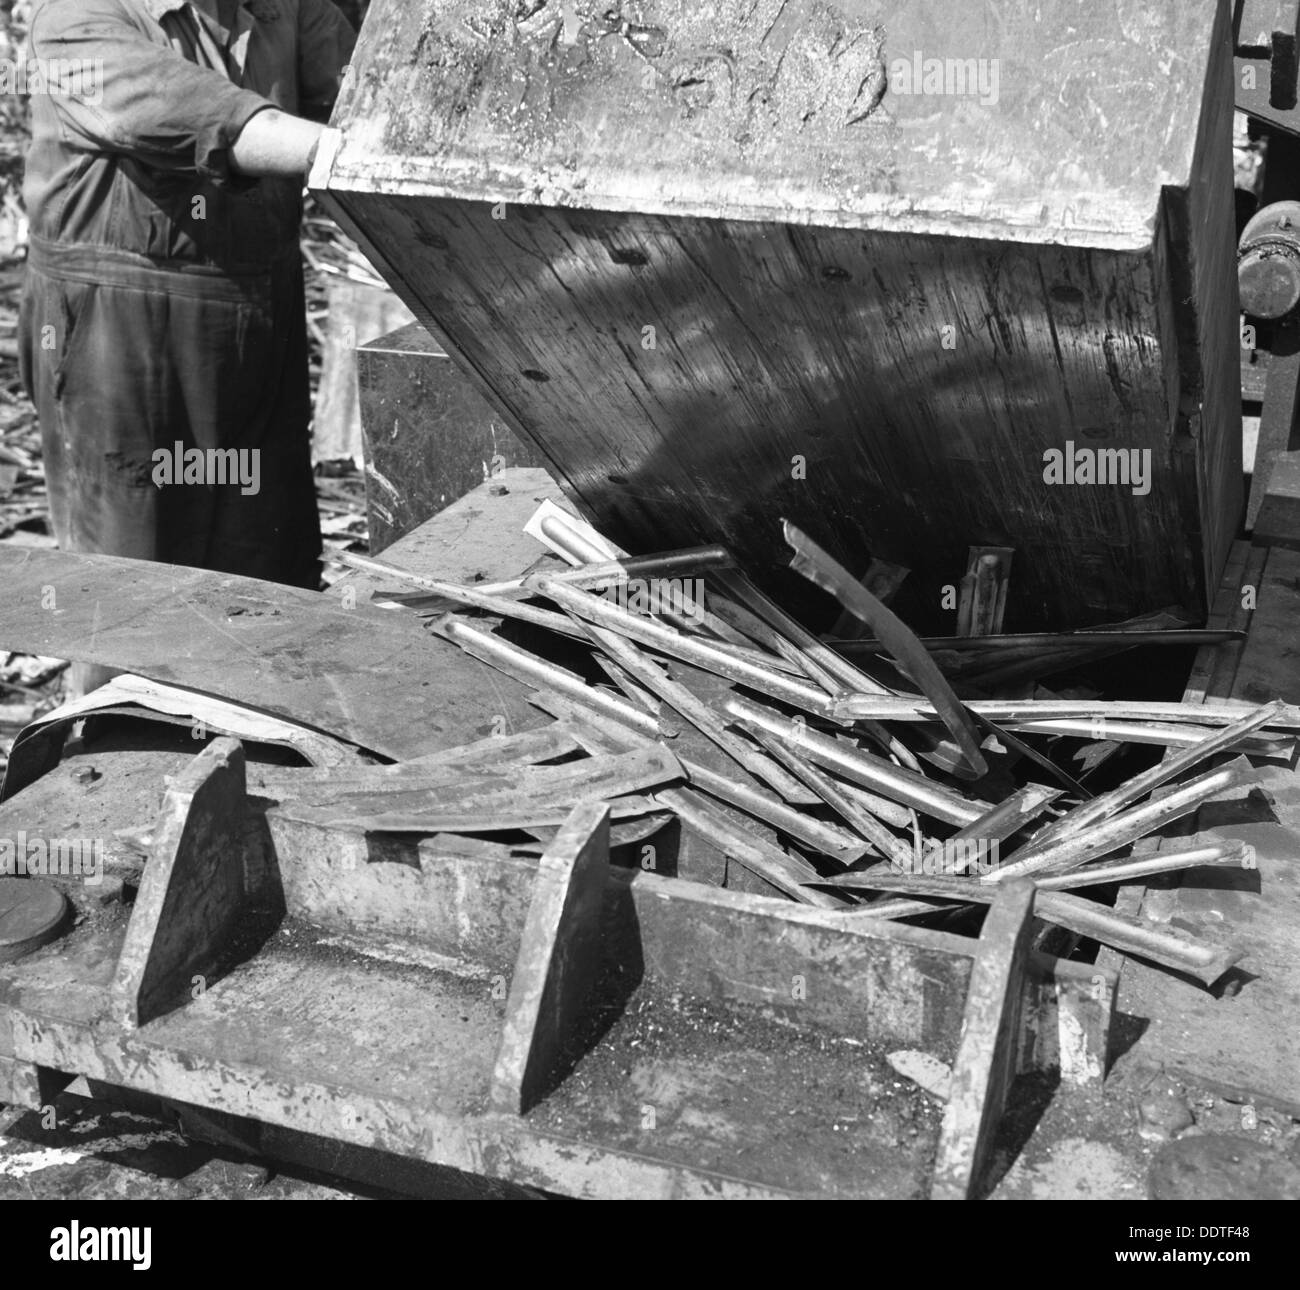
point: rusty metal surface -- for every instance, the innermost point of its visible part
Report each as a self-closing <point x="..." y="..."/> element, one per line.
<point x="376" y="1023"/>
<point x="489" y="799"/>
<point x="376" y="1053"/>
<point x="310" y="658"/>
<point x="677" y="106"/>
<point x="985" y="1064"/>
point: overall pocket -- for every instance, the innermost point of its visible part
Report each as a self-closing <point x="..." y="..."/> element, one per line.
<point x="74" y="308"/>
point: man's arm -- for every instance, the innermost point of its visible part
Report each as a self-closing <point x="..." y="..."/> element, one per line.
<point x="278" y="143"/>
<point x="120" y="92"/>
<point x="275" y="143"/>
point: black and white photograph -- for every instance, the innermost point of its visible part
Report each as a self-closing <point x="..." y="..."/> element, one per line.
<point x="640" y="600"/>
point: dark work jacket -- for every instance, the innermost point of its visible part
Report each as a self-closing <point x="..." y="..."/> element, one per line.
<point x="135" y="104"/>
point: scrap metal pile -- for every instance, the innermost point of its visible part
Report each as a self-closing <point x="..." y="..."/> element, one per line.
<point x="879" y="793"/>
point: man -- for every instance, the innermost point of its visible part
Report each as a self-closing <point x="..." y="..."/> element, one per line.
<point x="164" y="297"/>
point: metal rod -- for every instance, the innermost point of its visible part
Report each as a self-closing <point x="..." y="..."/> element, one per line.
<point x="1009" y="711"/>
<point x="1234" y="855"/>
<point x="697" y="559"/>
<point x="787" y="873"/>
<point x="744" y="620"/>
<point x="702" y="654"/>
<point x="705" y="619"/>
<point x="882" y="840"/>
<point x="989" y="577"/>
<point x="949" y="884"/>
<point x="1008" y="817"/>
<point x="638" y="694"/>
<point x="1099" y="808"/>
<point x="1068" y="852"/>
<point x="1053" y="640"/>
<point x="1034" y="663"/>
<point x="535" y="671"/>
<point x="745" y="653"/>
<point x="607" y="735"/>
<point x="992" y="828"/>
<point x="814" y="655"/>
<point x="862" y="767"/>
<point x="1163" y="734"/>
<point x="473" y="596"/>
<point x="820" y="569"/>
<point x="965" y="605"/>
<point x="809" y="667"/>
<point x="1207" y="962"/>
<point x="825" y="838"/>
<point x="573" y="538"/>
<point x="699" y="714"/>
<point x="739" y="588"/>
<point x="906" y="908"/>
<point x="893" y="813"/>
<point x="1086" y="917"/>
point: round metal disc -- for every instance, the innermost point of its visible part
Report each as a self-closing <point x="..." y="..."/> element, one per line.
<point x="31" y="913"/>
<point x="1269" y="282"/>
